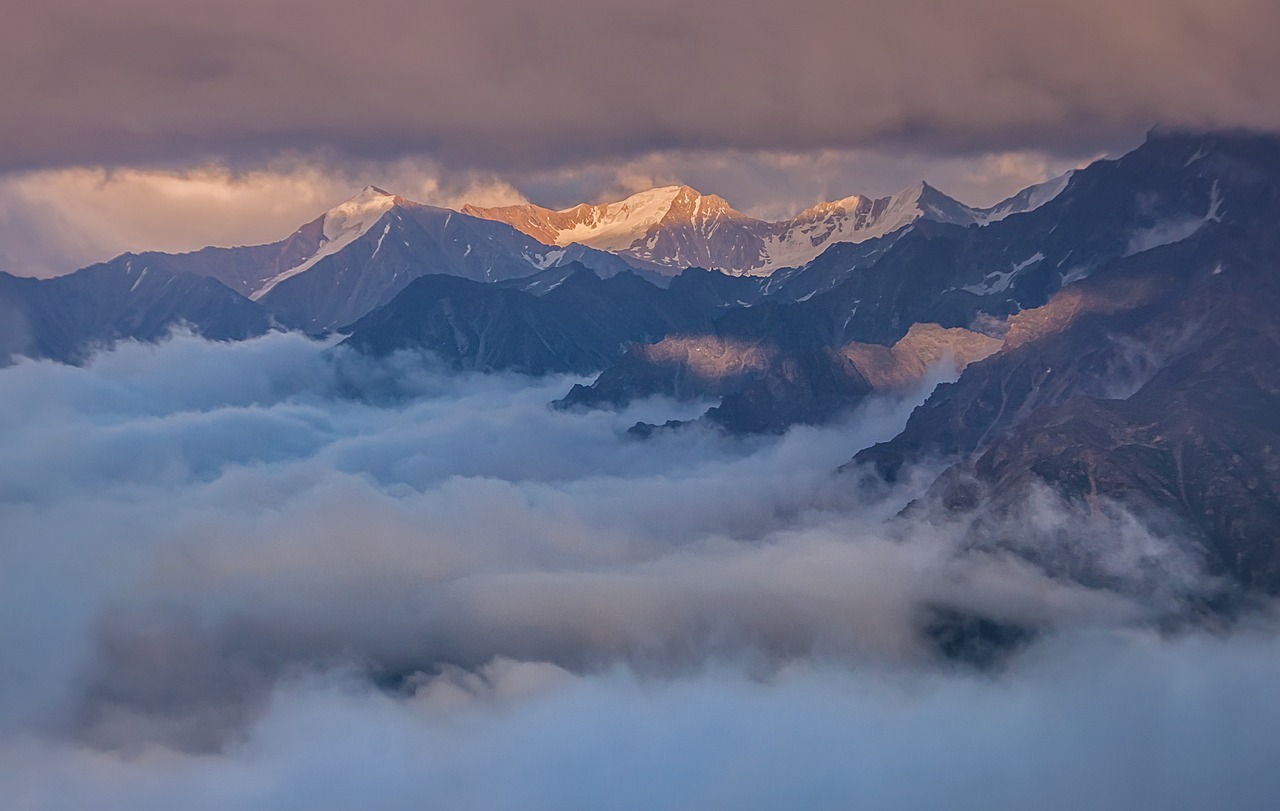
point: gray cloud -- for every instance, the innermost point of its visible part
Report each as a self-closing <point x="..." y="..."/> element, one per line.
<point x="503" y="86"/>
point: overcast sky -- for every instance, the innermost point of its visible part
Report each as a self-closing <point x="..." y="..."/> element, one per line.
<point x="295" y="104"/>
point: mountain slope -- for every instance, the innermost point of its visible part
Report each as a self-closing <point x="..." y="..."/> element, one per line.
<point x="406" y="242"/>
<point x="67" y="317"/>
<point x="1152" y="384"/>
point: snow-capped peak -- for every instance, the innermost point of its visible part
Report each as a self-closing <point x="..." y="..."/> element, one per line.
<point x="340" y="226"/>
<point x="659" y="198"/>
<point x="353" y="217"/>
<point x="616" y="226"/>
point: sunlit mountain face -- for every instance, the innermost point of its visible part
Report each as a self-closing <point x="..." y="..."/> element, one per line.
<point x="597" y="406"/>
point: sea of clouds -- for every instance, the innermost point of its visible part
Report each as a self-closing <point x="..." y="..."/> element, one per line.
<point x="275" y="575"/>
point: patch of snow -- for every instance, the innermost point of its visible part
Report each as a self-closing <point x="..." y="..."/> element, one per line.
<point x="1165" y="233"/>
<point x="1215" y="204"/>
<point x="386" y="229"/>
<point x="141" y="276"/>
<point x="1028" y="199"/>
<point x="1176" y="229"/>
<point x="1026" y="263"/>
<point x="1074" y="275"/>
<point x="999" y="281"/>
<point x="994" y="282"/>
<point x="1200" y="153"/>
<point x="546" y="260"/>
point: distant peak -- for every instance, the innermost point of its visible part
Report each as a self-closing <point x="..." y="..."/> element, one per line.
<point x="684" y="188"/>
<point x="661" y="195"/>
<point x="923" y="194"/>
<point x="674" y="188"/>
<point x="370" y="200"/>
<point x="372" y="193"/>
<point x="917" y="189"/>
<point x="356" y="214"/>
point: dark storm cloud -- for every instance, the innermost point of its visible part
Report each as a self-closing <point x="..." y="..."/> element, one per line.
<point x="503" y="85"/>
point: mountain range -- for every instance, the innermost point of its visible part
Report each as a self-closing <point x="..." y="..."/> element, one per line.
<point x="1112" y="333"/>
<point x="357" y="256"/>
<point x="672" y="228"/>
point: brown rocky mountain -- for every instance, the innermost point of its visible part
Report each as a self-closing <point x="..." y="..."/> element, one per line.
<point x="675" y="227"/>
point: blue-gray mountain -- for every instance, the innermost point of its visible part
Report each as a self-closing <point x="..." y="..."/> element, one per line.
<point x="327" y="274"/>
<point x="69" y="317"/>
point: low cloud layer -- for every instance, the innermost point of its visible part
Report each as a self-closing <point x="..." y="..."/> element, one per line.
<point x="498" y="86"/>
<point x="1128" y="722"/>
<point x="225" y="580"/>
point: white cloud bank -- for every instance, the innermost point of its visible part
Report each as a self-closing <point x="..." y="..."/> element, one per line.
<point x="224" y="583"/>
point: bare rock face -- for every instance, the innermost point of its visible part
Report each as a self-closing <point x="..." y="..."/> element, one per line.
<point x="924" y="348"/>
